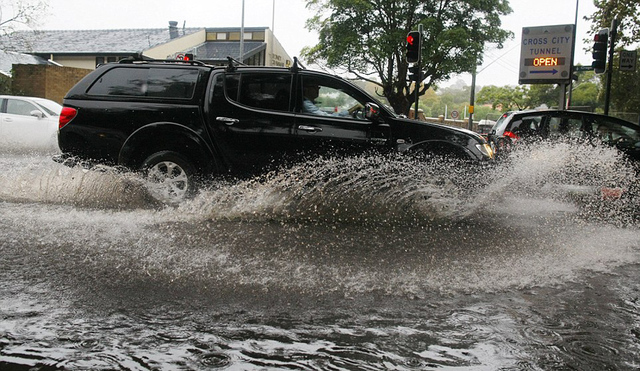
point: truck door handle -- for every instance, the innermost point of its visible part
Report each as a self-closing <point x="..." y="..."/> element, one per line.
<point x="310" y="129"/>
<point x="227" y="120"/>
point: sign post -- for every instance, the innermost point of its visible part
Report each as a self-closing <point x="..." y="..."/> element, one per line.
<point x="546" y="54"/>
<point x="628" y="60"/>
<point x="582" y="68"/>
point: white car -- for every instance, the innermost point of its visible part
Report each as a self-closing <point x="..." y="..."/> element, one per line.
<point x="28" y="124"/>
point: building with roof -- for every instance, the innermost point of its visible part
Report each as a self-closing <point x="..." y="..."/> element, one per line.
<point x="48" y="63"/>
<point x="8" y="59"/>
<point x="89" y="48"/>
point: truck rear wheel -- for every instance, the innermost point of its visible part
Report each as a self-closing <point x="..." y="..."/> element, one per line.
<point x="170" y="177"/>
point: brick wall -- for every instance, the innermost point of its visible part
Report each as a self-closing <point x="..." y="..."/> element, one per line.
<point x="51" y="82"/>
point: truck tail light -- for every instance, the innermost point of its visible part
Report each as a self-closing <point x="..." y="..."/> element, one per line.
<point x="66" y="116"/>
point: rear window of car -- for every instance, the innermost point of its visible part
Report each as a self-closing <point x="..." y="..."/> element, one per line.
<point x="147" y="82"/>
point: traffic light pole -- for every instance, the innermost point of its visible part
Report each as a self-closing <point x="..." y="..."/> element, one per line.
<point x="417" y="82"/>
<point x="612" y="42"/>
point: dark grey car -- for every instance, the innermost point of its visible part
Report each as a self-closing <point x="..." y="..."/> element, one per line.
<point x="513" y="127"/>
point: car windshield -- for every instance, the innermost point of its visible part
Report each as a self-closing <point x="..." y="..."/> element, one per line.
<point x="50" y="107"/>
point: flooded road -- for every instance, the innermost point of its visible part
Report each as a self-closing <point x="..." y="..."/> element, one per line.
<point x="348" y="264"/>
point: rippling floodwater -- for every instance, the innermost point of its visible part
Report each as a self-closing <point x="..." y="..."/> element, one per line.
<point x="347" y="264"/>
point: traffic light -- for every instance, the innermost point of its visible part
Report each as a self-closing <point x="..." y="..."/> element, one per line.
<point x="600" y="42"/>
<point x="414" y="41"/>
<point x="188" y="57"/>
<point x="415" y="74"/>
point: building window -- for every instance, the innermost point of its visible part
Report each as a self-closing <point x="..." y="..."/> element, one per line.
<point x="248" y="35"/>
<point x="221" y="36"/>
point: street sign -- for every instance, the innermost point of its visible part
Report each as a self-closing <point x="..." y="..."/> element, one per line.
<point x="454" y="115"/>
<point x="546" y="54"/>
<point x="582" y="68"/>
<point x="628" y="60"/>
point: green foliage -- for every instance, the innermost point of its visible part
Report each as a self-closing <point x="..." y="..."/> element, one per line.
<point x="506" y="98"/>
<point x="625" y="90"/>
<point x="628" y="14"/>
<point x="586" y="91"/>
<point x="585" y="94"/>
<point x="453" y="98"/>
<point x="367" y="38"/>
<point x="5" y="85"/>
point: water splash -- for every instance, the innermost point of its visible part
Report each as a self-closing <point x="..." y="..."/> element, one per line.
<point x="367" y="189"/>
<point x="289" y="269"/>
<point x="364" y="189"/>
<point x="39" y="179"/>
<point x="596" y="180"/>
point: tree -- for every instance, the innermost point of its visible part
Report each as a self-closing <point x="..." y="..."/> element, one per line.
<point x="507" y="98"/>
<point x="626" y="11"/>
<point x="624" y="87"/>
<point x="367" y="39"/>
<point x="16" y="13"/>
<point x="519" y="97"/>
<point x="542" y="95"/>
<point x="625" y="92"/>
<point x="586" y="90"/>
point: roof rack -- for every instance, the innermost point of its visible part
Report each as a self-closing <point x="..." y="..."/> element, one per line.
<point x="233" y="63"/>
<point x="140" y="58"/>
<point x="297" y="65"/>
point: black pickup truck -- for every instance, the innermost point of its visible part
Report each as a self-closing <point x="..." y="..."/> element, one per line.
<point x="180" y="121"/>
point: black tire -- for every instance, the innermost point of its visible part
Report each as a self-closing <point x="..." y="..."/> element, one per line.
<point x="170" y="177"/>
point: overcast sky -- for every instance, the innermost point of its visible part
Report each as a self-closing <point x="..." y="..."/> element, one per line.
<point x="500" y="66"/>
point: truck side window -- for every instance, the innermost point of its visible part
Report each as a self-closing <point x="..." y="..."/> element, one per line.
<point x="264" y="91"/>
<point x="324" y="97"/>
<point x="232" y="82"/>
<point x="144" y="82"/>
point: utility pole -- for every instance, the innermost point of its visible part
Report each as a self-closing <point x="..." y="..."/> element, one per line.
<point x="242" y="36"/>
<point x="575" y="27"/>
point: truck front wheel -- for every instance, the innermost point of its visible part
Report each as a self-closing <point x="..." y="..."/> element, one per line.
<point x="170" y="177"/>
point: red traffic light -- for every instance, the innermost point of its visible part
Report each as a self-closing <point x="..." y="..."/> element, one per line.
<point x="601" y="37"/>
<point x="413" y="46"/>
<point x="599" y="51"/>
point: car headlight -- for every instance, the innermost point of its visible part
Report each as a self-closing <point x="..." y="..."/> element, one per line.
<point x="485" y="149"/>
